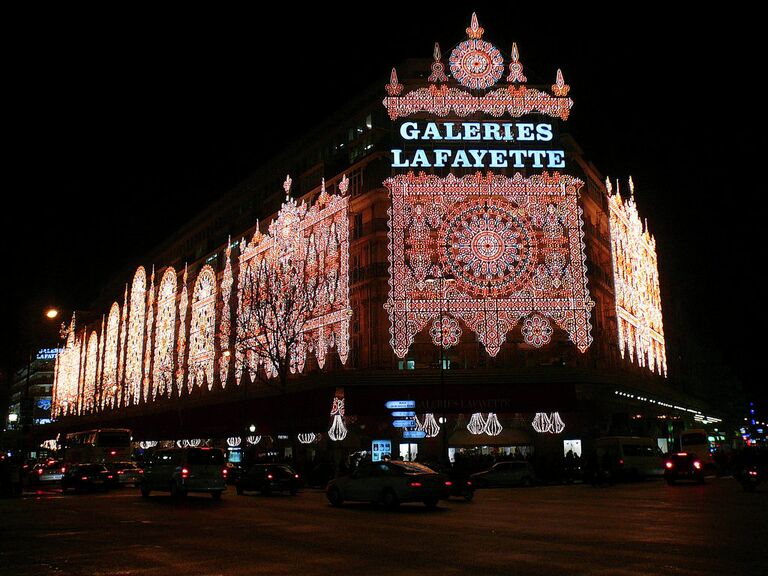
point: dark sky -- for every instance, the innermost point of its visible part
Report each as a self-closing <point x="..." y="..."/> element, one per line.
<point x="127" y="124"/>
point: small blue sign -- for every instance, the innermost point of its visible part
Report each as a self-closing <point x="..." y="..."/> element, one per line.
<point x="404" y="414"/>
<point x="403" y="423"/>
<point x="414" y="434"/>
<point x="400" y="404"/>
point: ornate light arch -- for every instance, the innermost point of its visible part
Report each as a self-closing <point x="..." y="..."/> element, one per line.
<point x="135" y="345"/>
<point x="165" y="331"/>
<point x="202" y="333"/>
<point x="89" y="382"/>
<point x="109" y="378"/>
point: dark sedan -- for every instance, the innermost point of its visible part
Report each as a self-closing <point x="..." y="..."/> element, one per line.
<point x="683" y="466"/>
<point x="268" y="478"/>
<point x="87" y="477"/>
<point x="390" y="482"/>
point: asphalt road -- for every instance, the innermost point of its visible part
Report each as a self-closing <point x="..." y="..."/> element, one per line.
<point x="643" y="528"/>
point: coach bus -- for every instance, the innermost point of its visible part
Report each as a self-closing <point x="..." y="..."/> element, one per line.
<point x="102" y="446"/>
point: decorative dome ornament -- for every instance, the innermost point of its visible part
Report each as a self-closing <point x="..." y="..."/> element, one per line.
<point x="253" y="440"/>
<point x="430" y="427"/>
<point x="475" y="63"/>
<point x="476" y="424"/>
<point x="492" y="425"/>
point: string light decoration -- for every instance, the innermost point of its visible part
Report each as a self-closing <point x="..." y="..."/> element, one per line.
<point x="337" y="431"/>
<point x="492" y="425"/>
<point x="99" y="391"/>
<point x="135" y="350"/>
<point x="476" y="424"/>
<point x="147" y="380"/>
<point x="515" y="66"/>
<point x="475" y="63"/>
<point x="293" y="287"/>
<point x="438" y="69"/>
<point x="234" y="441"/>
<point x="147" y="444"/>
<point x="308" y="438"/>
<point x="253" y="440"/>
<point x="202" y="331"/>
<point x="537" y="331"/>
<point x="181" y="342"/>
<point x="636" y="281"/>
<point x="513" y="248"/>
<point x="89" y="387"/>
<point x="560" y="88"/>
<point x="121" y="395"/>
<point x="429" y="426"/>
<point x="225" y="325"/>
<point x="67" y="375"/>
<point x="545" y="423"/>
<point x="165" y="331"/>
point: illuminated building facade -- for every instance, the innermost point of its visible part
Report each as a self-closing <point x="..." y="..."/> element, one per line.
<point x="451" y="247"/>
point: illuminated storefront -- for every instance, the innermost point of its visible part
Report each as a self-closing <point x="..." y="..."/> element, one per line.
<point x="451" y="247"/>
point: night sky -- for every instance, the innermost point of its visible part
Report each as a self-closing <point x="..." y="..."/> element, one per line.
<point x="125" y="129"/>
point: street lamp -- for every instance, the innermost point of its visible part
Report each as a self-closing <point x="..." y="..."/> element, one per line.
<point x="52" y="313"/>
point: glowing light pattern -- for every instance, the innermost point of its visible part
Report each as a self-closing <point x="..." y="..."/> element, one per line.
<point x="337" y="431"/>
<point x="476" y="424"/>
<point x="636" y="280"/>
<point x="202" y="333"/>
<point x="120" y="398"/>
<point x="253" y="440"/>
<point x="225" y="325"/>
<point x="135" y="350"/>
<point x="181" y="342"/>
<point x="67" y="376"/>
<point x="445" y="331"/>
<point x="438" y="70"/>
<point x="537" y="331"/>
<point x="147" y="444"/>
<point x="516" y="67"/>
<point x="308" y="438"/>
<point x="234" y="441"/>
<point x="476" y="64"/>
<point x="488" y="251"/>
<point x="492" y="425"/>
<point x="545" y="423"/>
<point x="429" y="426"/>
<point x="89" y="381"/>
<point x="312" y="245"/>
<point x="147" y="381"/>
<point x="99" y="397"/>
<point x="165" y="331"/>
<point x="560" y="88"/>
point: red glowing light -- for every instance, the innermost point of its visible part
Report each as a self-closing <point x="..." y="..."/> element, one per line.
<point x="269" y="476"/>
<point x="414" y="484"/>
<point x="682" y="453"/>
<point x="697" y="465"/>
<point x="184" y="472"/>
<point x="669" y="465"/>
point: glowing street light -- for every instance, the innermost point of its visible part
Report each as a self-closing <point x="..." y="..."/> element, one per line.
<point x="52" y="313"/>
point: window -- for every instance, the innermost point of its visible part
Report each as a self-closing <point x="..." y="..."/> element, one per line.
<point x="406" y="364"/>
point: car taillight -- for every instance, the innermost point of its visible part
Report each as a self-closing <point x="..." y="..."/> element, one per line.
<point x="64" y="469"/>
<point x="448" y="483"/>
<point x="112" y="452"/>
<point x="110" y="476"/>
<point x="224" y="472"/>
<point x="296" y="476"/>
<point x="414" y="484"/>
<point x="668" y="465"/>
<point x="682" y="453"/>
<point x="121" y="471"/>
<point x="269" y="476"/>
<point x="141" y="471"/>
<point x="469" y="482"/>
<point x="39" y="471"/>
<point x="621" y="462"/>
<point x="697" y="465"/>
<point x="753" y="472"/>
<point x="83" y="477"/>
<point x="184" y="472"/>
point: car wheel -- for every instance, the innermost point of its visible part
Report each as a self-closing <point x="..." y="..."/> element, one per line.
<point x="431" y="503"/>
<point x="468" y="495"/>
<point x="239" y="490"/>
<point x="216" y="495"/>
<point x="334" y="496"/>
<point x="389" y="498"/>
<point x="145" y="491"/>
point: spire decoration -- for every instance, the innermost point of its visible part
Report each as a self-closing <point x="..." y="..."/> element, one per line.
<point x="337" y="431"/>
<point x="394" y="87"/>
<point x="323" y="198"/>
<point x="438" y="70"/>
<point x="343" y="185"/>
<point x="225" y="325"/>
<point x="516" y="67"/>
<point x="475" y="31"/>
<point x="287" y="187"/>
<point x="560" y="88"/>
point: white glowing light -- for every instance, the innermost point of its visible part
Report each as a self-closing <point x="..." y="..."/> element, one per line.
<point x="337" y="431"/>
<point x="234" y="441"/>
<point x="202" y="333"/>
<point x="307" y="438"/>
<point x="135" y="350"/>
<point x="492" y="425"/>
<point x="429" y="426"/>
<point x="165" y="335"/>
<point x="147" y="444"/>
<point x="253" y="439"/>
<point x="476" y="424"/>
<point x="548" y="423"/>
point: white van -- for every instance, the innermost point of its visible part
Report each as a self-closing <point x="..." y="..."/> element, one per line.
<point x="183" y="470"/>
<point x="630" y="456"/>
<point x="695" y="441"/>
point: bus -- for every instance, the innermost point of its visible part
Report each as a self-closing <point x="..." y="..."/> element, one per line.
<point x="97" y="446"/>
<point x="696" y="441"/>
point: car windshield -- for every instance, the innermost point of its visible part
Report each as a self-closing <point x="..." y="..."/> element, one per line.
<point x="200" y="456"/>
<point x="639" y="450"/>
<point x="114" y="439"/>
<point x="414" y="468"/>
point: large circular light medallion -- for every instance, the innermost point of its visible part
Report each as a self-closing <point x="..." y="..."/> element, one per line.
<point x="476" y="64"/>
<point x="488" y="247"/>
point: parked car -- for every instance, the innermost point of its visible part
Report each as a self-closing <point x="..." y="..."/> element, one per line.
<point x="125" y="473"/>
<point x="629" y="456"/>
<point x="48" y="472"/>
<point x="86" y="477"/>
<point x="683" y="466"/>
<point x="505" y="474"/>
<point x="459" y="484"/>
<point x="234" y="471"/>
<point x="268" y="478"/>
<point x="390" y="482"/>
<point x="183" y="470"/>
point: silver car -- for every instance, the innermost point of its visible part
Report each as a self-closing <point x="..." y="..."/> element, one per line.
<point x="390" y="483"/>
<point x="505" y="474"/>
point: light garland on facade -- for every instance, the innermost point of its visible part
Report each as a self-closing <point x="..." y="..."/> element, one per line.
<point x="147" y="379"/>
<point x="492" y="425"/>
<point x="337" y="431"/>
<point x="253" y="440"/>
<point x="636" y="281"/>
<point x="225" y="325"/>
<point x="181" y="342"/>
<point x="513" y="248"/>
<point x="89" y="388"/>
<point x="109" y="380"/>
<point x="165" y="332"/>
<point x="135" y="349"/>
<point x="234" y="441"/>
<point x="548" y="423"/>
<point x="202" y="331"/>
<point x="429" y="426"/>
<point x="121" y="395"/>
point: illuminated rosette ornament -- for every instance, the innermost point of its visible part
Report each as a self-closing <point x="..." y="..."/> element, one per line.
<point x="429" y="426"/>
<point x="492" y="425"/>
<point x="337" y="431"/>
<point x="476" y="424"/>
<point x="147" y="444"/>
